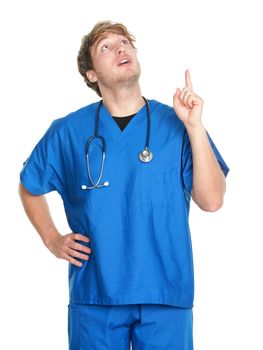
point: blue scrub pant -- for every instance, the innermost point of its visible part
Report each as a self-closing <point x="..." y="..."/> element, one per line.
<point x="115" y="327"/>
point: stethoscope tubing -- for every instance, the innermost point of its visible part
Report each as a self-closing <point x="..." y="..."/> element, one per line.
<point x="145" y="155"/>
<point x="102" y="164"/>
<point x="147" y="141"/>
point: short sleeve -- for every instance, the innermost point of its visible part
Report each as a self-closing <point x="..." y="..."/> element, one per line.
<point x="187" y="161"/>
<point x="42" y="171"/>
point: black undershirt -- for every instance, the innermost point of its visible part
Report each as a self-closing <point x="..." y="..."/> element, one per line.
<point x="123" y="121"/>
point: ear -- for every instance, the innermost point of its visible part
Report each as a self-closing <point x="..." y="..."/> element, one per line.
<point x="91" y="75"/>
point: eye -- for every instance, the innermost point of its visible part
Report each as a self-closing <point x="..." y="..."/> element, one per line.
<point x="104" y="47"/>
<point x="125" y="42"/>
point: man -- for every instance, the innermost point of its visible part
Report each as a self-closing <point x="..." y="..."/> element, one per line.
<point x="131" y="265"/>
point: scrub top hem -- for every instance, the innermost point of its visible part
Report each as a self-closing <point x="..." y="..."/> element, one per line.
<point x="126" y="302"/>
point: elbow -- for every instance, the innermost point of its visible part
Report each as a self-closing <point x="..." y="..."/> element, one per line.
<point x="209" y="201"/>
<point x="212" y="205"/>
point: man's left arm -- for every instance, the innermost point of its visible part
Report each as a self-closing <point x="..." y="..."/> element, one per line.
<point x="209" y="183"/>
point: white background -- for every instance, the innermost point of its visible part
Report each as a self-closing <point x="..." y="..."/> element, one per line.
<point x="220" y="42"/>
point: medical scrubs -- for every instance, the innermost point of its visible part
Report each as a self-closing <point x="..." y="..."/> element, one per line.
<point x="123" y="121"/>
<point x="138" y="226"/>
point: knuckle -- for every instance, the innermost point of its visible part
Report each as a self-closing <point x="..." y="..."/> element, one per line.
<point x="72" y="252"/>
<point x="68" y="238"/>
<point x="76" y="254"/>
<point x="76" y="236"/>
<point x="75" y="246"/>
<point x="64" y="256"/>
<point x="65" y="245"/>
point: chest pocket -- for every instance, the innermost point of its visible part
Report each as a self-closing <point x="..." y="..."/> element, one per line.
<point x="158" y="185"/>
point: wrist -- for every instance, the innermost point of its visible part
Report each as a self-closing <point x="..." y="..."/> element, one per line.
<point x="195" y="129"/>
<point x="50" y="238"/>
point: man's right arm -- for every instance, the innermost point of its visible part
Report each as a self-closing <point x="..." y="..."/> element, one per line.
<point x="62" y="246"/>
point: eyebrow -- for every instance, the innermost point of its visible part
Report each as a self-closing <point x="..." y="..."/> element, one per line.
<point x="105" y="37"/>
<point x="99" y="40"/>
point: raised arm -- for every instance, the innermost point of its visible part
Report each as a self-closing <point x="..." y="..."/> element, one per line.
<point x="209" y="183"/>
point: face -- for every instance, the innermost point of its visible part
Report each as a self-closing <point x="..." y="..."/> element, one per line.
<point x="115" y="62"/>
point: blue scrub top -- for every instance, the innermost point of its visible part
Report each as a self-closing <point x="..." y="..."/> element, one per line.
<point x="138" y="226"/>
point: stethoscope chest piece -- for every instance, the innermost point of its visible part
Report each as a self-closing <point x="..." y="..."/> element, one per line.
<point x="145" y="155"/>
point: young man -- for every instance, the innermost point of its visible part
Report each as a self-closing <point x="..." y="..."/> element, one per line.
<point x="126" y="201"/>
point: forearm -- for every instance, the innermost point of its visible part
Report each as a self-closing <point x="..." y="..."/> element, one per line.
<point x="37" y="210"/>
<point x="209" y="183"/>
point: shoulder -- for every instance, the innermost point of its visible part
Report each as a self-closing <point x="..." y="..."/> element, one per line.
<point x="72" y="123"/>
<point x="75" y="118"/>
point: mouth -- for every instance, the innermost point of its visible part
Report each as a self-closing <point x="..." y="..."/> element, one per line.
<point x="124" y="62"/>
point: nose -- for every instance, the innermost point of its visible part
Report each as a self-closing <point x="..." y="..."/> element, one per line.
<point x="120" y="49"/>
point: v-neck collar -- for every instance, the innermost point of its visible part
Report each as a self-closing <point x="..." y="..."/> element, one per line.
<point x="113" y="130"/>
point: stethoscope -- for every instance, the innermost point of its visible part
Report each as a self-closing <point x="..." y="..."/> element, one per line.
<point x="145" y="155"/>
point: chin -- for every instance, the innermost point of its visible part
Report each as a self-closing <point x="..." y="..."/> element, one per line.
<point x="130" y="76"/>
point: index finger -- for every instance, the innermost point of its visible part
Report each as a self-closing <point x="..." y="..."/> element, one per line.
<point x="188" y="82"/>
<point x="80" y="237"/>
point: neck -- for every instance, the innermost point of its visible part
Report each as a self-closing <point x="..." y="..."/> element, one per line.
<point x="123" y="102"/>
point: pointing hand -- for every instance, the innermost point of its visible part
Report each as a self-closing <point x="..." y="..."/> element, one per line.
<point x="188" y="105"/>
